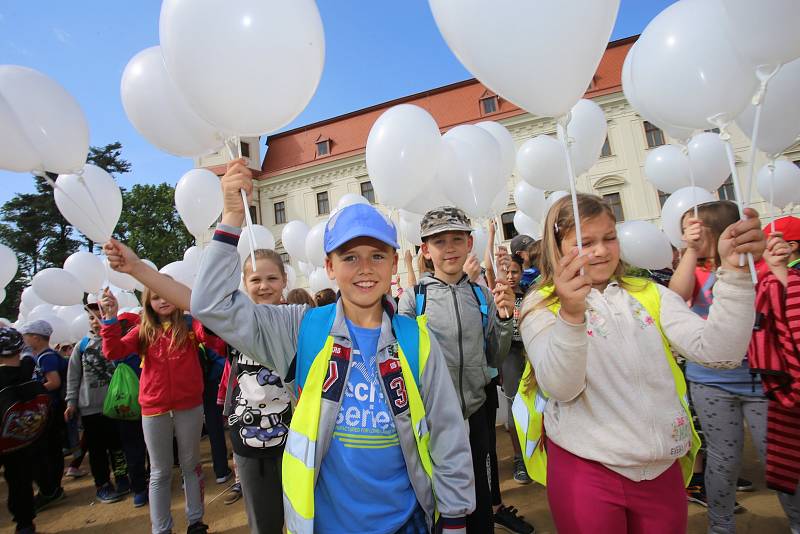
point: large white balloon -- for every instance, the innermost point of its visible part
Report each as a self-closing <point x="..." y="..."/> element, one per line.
<point x="43" y="126"/>
<point x="88" y="269"/>
<point x="527" y="226"/>
<point x="262" y="236"/>
<point x="667" y="168"/>
<point x="277" y="47"/>
<point x="159" y="112"/>
<point x="676" y="205"/>
<point x="61" y="332"/>
<point x="545" y="71"/>
<point x="588" y="129"/>
<point x="69" y="313"/>
<point x="779" y="125"/>
<point x="508" y="149"/>
<point x="409" y="227"/>
<point x="530" y="200"/>
<point x="118" y="279"/>
<point x="127" y="299"/>
<point x="180" y="272"/>
<point x="554" y="197"/>
<point x="708" y="161"/>
<point x="541" y="163"/>
<point x="41" y="312"/>
<point x="685" y="69"/>
<point x="78" y="328"/>
<point x="348" y="199"/>
<point x="8" y="265"/>
<point x="193" y="256"/>
<point x="318" y="280"/>
<point x="57" y="286"/>
<point x="30" y="299"/>
<point x="198" y="199"/>
<point x="643" y="245"/>
<point x="781" y="184"/>
<point x="291" y="277"/>
<point x="500" y="202"/>
<point x="480" y="240"/>
<point x="91" y="202"/>
<point x="293" y="237"/>
<point x="472" y="169"/>
<point x="403" y="151"/>
<point x="763" y="32"/>
<point x="431" y="197"/>
<point x="315" y="244"/>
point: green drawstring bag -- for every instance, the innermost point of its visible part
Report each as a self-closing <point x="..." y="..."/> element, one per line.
<point x="122" y="399"/>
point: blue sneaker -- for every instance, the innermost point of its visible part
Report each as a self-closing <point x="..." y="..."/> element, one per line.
<point x="123" y="485"/>
<point x="106" y="494"/>
<point x="140" y="499"/>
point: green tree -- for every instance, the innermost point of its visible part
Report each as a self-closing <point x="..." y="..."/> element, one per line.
<point x="150" y="225"/>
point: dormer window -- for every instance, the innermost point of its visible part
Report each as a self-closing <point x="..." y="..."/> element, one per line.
<point x="323" y="146"/>
<point x="489" y="103"/>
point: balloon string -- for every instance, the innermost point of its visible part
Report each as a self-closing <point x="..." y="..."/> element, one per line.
<point x="691" y="180"/>
<point x="764" y="73"/>
<point x="235" y="154"/>
<point x="772" y="209"/>
<point x="562" y="136"/>
<point x="55" y="186"/>
<point x="91" y="197"/>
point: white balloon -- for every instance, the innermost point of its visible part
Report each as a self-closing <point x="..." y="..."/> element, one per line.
<point x="293" y="237"/>
<point x="192" y="257"/>
<point x="554" y="197"/>
<point x="198" y="199"/>
<point x="61" y="333"/>
<point x="126" y="299"/>
<point x="530" y="200"/>
<point x="472" y="169"/>
<point x="88" y="269"/>
<point x="784" y="180"/>
<point x="8" y="265"/>
<point x="643" y="245"/>
<point x="779" y="126"/>
<point x="159" y="111"/>
<point x="764" y="32"/>
<point x="527" y="226"/>
<point x="667" y="168"/>
<point x="279" y="45"/>
<point x="150" y="264"/>
<point x="30" y="299"/>
<point x="41" y="312"/>
<point x="480" y="240"/>
<point x="403" y="151"/>
<point x="410" y="227"/>
<point x="180" y="272"/>
<point x="291" y="276"/>
<point x="91" y="202"/>
<point x="685" y="69"/>
<point x="708" y="161"/>
<point x="588" y="129"/>
<point x="44" y="127"/>
<point x="69" y="313"/>
<point x="318" y="280"/>
<point x="262" y="236"/>
<point x="57" y="286"/>
<point x="508" y="149"/>
<point x="676" y="205"/>
<point x="315" y="245"/>
<point x="500" y="203"/>
<point x="120" y="280"/>
<point x="78" y="328"/>
<point x="431" y="197"/>
<point x="544" y="72"/>
<point x="305" y="268"/>
<point x="348" y="199"/>
<point x="541" y="163"/>
<point x="2" y="294"/>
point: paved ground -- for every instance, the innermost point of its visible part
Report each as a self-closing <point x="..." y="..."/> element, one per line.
<point x="80" y="513"/>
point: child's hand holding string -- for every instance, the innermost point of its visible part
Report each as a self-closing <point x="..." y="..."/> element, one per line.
<point x="572" y="287"/>
<point x="503" y="299"/>
<point x="693" y="234"/>
<point x="778" y="251"/>
<point x="742" y="237"/>
<point x="120" y="257"/>
<point x="237" y="178"/>
<point x="109" y="304"/>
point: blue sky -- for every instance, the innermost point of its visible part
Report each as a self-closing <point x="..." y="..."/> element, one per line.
<point x="375" y="51"/>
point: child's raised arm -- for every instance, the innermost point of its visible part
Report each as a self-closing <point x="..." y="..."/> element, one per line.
<point x="776" y="256"/>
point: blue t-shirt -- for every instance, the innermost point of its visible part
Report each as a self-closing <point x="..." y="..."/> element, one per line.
<point x="363" y="484"/>
<point x="47" y="361"/>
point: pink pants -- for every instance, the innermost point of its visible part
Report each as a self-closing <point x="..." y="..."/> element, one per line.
<point x="588" y="498"/>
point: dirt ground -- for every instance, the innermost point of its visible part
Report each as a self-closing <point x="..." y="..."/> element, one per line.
<point x="80" y="513"/>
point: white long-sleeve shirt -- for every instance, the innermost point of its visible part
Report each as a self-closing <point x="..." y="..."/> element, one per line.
<point x="612" y="393"/>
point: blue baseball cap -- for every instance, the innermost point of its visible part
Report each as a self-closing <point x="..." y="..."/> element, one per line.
<point x="358" y="220"/>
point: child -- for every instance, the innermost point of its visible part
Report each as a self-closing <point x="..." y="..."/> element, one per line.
<point x="51" y="371"/>
<point x="17" y="465"/>
<point x="465" y="321"/>
<point x="620" y="442"/>
<point x="88" y="376"/>
<point x="371" y="436"/>
<point x="170" y="394"/>
<point x="300" y="296"/>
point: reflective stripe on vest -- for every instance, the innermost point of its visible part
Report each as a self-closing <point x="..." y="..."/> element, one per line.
<point x="530" y="401"/>
<point x="299" y="469"/>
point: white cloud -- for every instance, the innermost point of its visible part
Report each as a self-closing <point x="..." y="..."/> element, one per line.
<point x="62" y="35"/>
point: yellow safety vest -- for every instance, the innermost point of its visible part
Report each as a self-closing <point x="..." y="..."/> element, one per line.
<point x="530" y="402"/>
<point x="299" y="468"/>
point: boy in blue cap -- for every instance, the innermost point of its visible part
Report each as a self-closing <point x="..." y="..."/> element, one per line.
<point x="377" y="443"/>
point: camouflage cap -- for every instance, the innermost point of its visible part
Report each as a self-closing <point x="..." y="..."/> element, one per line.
<point x="444" y="219"/>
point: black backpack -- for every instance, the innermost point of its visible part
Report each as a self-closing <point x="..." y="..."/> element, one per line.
<point x="24" y="414"/>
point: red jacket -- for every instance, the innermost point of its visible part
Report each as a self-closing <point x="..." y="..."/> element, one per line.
<point x="172" y="379"/>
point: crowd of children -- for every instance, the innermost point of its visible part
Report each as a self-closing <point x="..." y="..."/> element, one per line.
<point x="359" y="412"/>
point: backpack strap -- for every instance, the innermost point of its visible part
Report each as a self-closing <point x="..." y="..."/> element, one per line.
<point x="406" y="330"/>
<point x="314" y="331"/>
<point x="421" y="296"/>
<point x="83" y="344"/>
<point x="484" y="307"/>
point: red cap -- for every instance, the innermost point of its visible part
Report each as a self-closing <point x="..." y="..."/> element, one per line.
<point x="789" y="226"/>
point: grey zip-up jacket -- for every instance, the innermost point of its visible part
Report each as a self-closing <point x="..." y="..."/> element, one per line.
<point x="269" y="334"/>
<point x="88" y="377"/>
<point x="454" y="317"/>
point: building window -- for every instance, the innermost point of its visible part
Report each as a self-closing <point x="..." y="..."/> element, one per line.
<point x="285" y="258"/>
<point x="245" y="148"/>
<point x="489" y="105"/>
<point x="662" y="197"/>
<point x="323" y="147"/>
<point x="368" y="192"/>
<point x="280" y="212"/>
<point x="606" y="151"/>
<point x="615" y="201"/>
<point x="654" y="135"/>
<point x="509" y="232"/>
<point x="323" y="206"/>
<point x="254" y="214"/>
<point x="726" y="190"/>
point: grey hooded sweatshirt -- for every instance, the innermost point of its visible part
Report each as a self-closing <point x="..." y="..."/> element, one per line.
<point x="454" y="317"/>
<point x="88" y="376"/>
